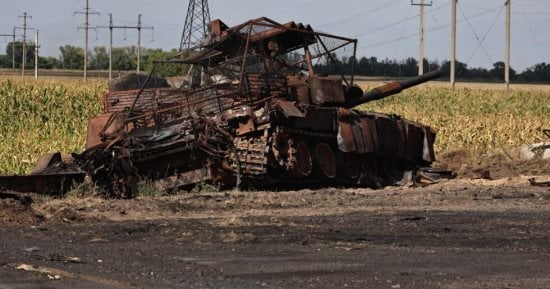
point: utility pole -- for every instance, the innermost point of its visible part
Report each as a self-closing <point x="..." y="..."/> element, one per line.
<point x="24" y="60"/>
<point x="421" y="38"/>
<point x="138" y="27"/>
<point x="110" y="46"/>
<point x="508" y="40"/>
<point x="196" y="24"/>
<point x="12" y="48"/>
<point x="36" y="46"/>
<point x="86" y="27"/>
<point x="453" y="42"/>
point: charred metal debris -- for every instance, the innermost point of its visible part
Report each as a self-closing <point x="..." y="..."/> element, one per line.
<point x="254" y="112"/>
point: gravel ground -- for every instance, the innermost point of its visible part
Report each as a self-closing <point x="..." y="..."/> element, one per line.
<point x="457" y="234"/>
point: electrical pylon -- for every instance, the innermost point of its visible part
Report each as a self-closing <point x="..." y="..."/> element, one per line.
<point x="196" y="24"/>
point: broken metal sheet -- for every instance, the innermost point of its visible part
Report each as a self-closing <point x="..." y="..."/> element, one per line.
<point x="289" y="109"/>
<point x="52" y="184"/>
<point x="346" y="140"/>
<point x="46" y="161"/>
<point x="326" y="90"/>
<point x="415" y="142"/>
<point x="428" y="153"/>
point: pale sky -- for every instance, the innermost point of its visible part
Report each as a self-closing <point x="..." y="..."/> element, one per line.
<point x="385" y="28"/>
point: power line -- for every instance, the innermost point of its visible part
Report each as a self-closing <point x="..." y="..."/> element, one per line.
<point x="428" y="30"/>
<point x="399" y="22"/>
<point x="355" y="16"/>
<point x="24" y="28"/>
<point x="533" y="35"/>
<point x="293" y="9"/>
<point x="12" y="35"/>
<point x="402" y="32"/>
<point x="480" y="40"/>
<point x="86" y="27"/>
<point x="138" y="27"/>
<point x="421" y="38"/>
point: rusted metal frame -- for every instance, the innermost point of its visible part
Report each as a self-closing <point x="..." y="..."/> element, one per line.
<point x="282" y="26"/>
<point x="245" y="57"/>
<point x="349" y="40"/>
<point x="332" y="59"/>
<point x="188" y="104"/>
<point x="51" y="184"/>
<point x="331" y="50"/>
<point x="220" y="106"/>
<point x="108" y="123"/>
<point x="142" y="89"/>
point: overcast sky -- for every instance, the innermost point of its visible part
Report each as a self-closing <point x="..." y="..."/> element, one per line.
<point x="385" y="28"/>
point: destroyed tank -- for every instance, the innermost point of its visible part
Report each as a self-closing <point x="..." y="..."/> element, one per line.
<point x="255" y="112"/>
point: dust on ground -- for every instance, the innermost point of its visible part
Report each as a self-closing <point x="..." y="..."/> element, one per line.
<point x="487" y="232"/>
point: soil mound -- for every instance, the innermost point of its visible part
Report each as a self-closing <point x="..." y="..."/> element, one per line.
<point x="18" y="212"/>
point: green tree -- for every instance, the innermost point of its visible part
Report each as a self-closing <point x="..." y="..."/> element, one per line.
<point x="72" y="57"/>
<point x="498" y="71"/>
<point x="5" y="61"/>
<point x="18" y="47"/>
<point x="124" y="59"/>
<point x="48" y="62"/>
<point x="151" y="55"/>
<point x="100" y="58"/>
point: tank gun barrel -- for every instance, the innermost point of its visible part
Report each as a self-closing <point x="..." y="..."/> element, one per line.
<point x="392" y="88"/>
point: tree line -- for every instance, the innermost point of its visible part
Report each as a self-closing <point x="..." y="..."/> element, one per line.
<point x="125" y="59"/>
<point x="72" y="57"/>
<point x="538" y="73"/>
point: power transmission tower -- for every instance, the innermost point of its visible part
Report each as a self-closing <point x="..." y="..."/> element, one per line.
<point x="86" y="27"/>
<point x="24" y="28"/>
<point x="421" y="50"/>
<point x="13" y="35"/>
<point x="196" y="24"/>
<point x="139" y="27"/>
<point x="453" y="42"/>
<point x="508" y="40"/>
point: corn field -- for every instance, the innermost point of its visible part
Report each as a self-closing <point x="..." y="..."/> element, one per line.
<point x="47" y="116"/>
<point x="41" y="117"/>
<point x="481" y="121"/>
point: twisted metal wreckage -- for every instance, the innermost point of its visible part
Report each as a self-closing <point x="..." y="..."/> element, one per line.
<point x="258" y="115"/>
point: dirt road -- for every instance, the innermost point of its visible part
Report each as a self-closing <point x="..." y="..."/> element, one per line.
<point x="458" y="234"/>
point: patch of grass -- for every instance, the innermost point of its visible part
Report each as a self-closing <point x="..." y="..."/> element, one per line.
<point x="83" y="190"/>
<point x="148" y="188"/>
<point x="207" y="187"/>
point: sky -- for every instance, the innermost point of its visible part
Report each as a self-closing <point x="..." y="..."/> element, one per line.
<point x="384" y="28"/>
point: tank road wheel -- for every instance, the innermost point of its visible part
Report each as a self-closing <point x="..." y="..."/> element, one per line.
<point x="349" y="167"/>
<point x="302" y="164"/>
<point x="325" y="160"/>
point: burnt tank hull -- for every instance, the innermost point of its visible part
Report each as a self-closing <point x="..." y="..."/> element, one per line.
<point x="254" y="112"/>
<point x="259" y="142"/>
